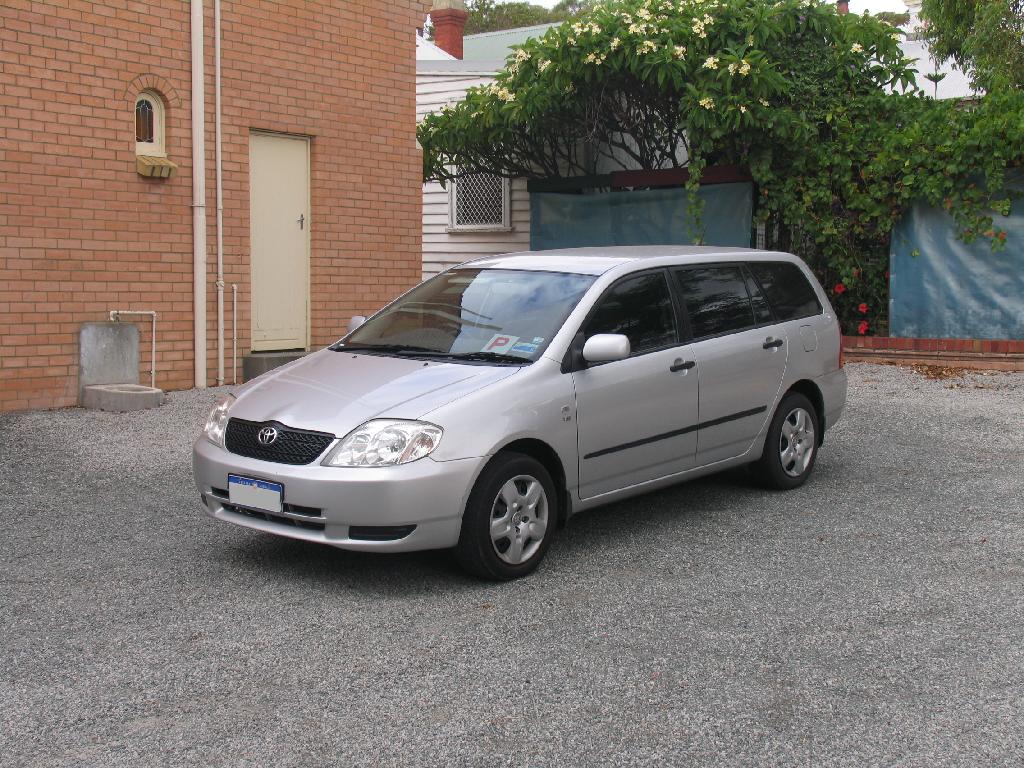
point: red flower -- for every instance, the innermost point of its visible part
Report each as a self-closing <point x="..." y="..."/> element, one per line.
<point x="839" y="288"/>
<point x="863" y="327"/>
<point x="862" y="308"/>
<point x="857" y="273"/>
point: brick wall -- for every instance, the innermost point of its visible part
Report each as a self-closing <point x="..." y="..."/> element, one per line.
<point x="81" y="233"/>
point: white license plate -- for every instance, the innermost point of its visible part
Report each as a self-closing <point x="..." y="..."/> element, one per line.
<point x="249" y="492"/>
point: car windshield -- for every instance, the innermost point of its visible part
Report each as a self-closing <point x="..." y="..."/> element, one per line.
<point x="474" y="314"/>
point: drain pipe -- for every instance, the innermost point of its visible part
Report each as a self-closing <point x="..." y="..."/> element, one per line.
<point x="198" y="196"/>
<point x="234" y="333"/>
<point x="220" y="192"/>
<point x="115" y="317"/>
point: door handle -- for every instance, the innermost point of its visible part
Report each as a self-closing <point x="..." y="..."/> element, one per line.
<point x="301" y="221"/>
<point x="682" y="365"/>
<point x="770" y="343"/>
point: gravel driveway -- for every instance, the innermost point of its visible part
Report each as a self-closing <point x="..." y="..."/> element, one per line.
<point x="873" y="616"/>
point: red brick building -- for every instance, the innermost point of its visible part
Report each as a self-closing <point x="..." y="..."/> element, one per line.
<point x="317" y="122"/>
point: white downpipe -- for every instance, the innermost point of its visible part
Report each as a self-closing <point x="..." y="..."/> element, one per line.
<point x="220" y="192"/>
<point x="198" y="196"/>
<point x="115" y="316"/>
<point x="234" y="333"/>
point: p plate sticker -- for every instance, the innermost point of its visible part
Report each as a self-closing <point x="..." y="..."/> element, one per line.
<point x="500" y="343"/>
<point x="525" y="347"/>
<point x="539" y="340"/>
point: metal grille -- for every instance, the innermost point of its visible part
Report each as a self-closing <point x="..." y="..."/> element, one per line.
<point x="480" y="201"/>
<point x="292" y="447"/>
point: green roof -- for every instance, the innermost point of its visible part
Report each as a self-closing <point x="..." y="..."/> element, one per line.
<point x="491" y="46"/>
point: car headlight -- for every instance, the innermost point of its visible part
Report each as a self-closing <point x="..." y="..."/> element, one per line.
<point x="381" y="442"/>
<point x="218" y="421"/>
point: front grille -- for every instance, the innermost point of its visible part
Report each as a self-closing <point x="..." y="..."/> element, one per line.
<point x="292" y="447"/>
<point x="271" y="518"/>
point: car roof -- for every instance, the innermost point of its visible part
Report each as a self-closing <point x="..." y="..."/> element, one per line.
<point x="598" y="260"/>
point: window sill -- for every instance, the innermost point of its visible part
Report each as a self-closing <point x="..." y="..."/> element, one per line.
<point x="157" y="167"/>
<point x="486" y="228"/>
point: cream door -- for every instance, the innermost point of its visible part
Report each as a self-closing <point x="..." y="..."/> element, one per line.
<point x="279" y="229"/>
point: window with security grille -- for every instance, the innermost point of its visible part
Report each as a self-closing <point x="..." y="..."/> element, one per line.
<point x="479" y="202"/>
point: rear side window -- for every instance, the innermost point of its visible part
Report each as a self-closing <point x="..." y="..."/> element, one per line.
<point x="787" y="289"/>
<point x="716" y="299"/>
<point x="639" y="307"/>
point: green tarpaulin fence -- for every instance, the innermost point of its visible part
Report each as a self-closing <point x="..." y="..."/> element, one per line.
<point x="640" y="218"/>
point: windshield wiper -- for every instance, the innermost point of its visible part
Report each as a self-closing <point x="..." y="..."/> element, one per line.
<point x="396" y="349"/>
<point x="493" y="357"/>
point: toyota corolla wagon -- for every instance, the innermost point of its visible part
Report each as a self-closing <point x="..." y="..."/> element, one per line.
<point x="482" y="408"/>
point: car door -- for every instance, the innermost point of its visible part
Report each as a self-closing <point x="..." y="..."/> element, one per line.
<point x="635" y="417"/>
<point x="740" y="351"/>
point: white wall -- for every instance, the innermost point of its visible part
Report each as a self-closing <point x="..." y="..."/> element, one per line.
<point x="441" y="248"/>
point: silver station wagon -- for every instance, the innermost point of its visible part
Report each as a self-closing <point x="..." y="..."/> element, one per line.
<point x="485" y="406"/>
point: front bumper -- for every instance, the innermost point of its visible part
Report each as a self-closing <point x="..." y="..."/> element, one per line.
<point x="322" y="504"/>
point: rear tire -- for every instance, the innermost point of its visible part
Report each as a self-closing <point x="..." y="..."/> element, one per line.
<point x="510" y="519"/>
<point x="791" y="445"/>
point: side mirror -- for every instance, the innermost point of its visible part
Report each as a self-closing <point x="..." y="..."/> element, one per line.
<point x="356" y="321"/>
<point x="601" y="348"/>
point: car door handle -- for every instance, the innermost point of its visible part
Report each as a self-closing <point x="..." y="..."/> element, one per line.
<point x="770" y="343"/>
<point x="682" y="365"/>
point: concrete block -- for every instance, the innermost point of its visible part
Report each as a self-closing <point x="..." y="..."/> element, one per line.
<point x="257" y="363"/>
<point x="121" y="397"/>
<point x="108" y="353"/>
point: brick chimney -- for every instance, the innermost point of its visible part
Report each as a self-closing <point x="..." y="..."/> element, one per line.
<point x="841" y="7"/>
<point x="449" y="18"/>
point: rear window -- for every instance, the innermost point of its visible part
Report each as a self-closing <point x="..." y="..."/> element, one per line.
<point x="787" y="289"/>
<point x="716" y="299"/>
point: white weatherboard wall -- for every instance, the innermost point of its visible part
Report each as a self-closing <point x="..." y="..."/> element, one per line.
<point x="441" y="248"/>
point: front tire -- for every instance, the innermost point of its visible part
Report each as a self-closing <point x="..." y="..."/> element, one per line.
<point x="791" y="445"/>
<point x="509" y="520"/>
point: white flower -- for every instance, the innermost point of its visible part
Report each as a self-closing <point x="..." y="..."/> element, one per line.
<point x="742" y="109"/>
<point x="708" y="19"/>
<point x="571" y="40"/>
<point x="543" y="65"/>
<point x="506" y="95"/>
<point x="744" y="67"/>
<point x="856" y="48"/>
<point x="680" y="51"/>
<point x="614" y="43"/>
<point x="763" y="102"/>
<point x="750" y="40"/>
<point x="648" y="46"/>
<point x="644" y="13"/>
<point x="707" y="103"/>
<point x="711" y="62"/>
<point x="636" y="29"/>
<point x="733" y="67"/>
<point x="522" y="55"/>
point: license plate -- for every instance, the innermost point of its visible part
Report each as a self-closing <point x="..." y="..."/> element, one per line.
<point x="249" y="492"/>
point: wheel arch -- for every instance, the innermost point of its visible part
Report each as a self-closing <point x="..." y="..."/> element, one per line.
<point x="811" y="391"/>
<point x="549" y="457"/>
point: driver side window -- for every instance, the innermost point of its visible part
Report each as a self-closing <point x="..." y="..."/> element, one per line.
<point x="639" y="307"/>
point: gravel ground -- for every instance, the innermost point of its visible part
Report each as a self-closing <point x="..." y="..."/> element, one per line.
<point x="873" y="616"/>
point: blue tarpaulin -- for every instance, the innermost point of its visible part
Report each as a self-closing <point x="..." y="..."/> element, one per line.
<point x="952" y="289"/>
<point x="640" y="218"/>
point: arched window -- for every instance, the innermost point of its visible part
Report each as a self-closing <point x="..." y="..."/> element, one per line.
<point x="149" y="125"/>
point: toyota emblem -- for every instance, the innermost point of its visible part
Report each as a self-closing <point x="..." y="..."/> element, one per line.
<point x="267" y="436"/>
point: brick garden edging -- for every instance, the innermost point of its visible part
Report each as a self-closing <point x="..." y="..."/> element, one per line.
<point x="993" y="354"/>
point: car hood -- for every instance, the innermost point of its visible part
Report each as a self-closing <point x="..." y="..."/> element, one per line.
<point x="338" y="391"/>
